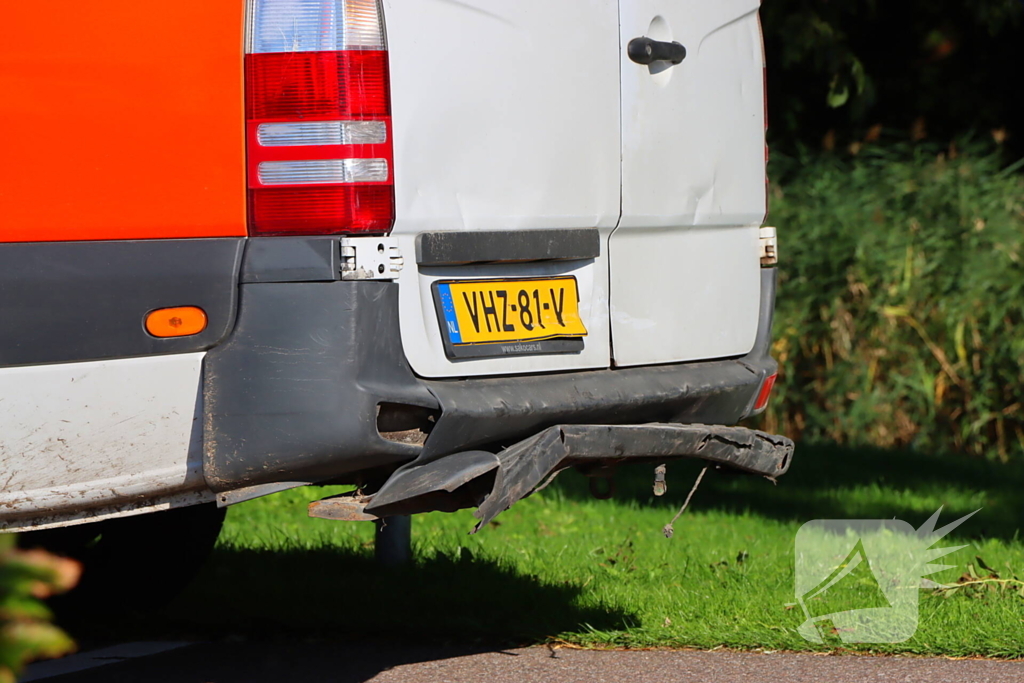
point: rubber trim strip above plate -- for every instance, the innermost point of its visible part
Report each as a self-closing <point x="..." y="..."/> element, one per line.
<point x="447" y="248"/>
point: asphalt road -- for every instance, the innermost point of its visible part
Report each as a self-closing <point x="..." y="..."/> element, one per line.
<point x="380" y="662"/>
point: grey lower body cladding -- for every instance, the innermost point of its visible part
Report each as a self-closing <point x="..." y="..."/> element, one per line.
<point x="515" y="472"/>
<point x="298" y="392"/>
<point x="68" y="302"/>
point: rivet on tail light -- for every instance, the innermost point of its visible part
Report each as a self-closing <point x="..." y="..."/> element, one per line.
<point x="318" y="118"/>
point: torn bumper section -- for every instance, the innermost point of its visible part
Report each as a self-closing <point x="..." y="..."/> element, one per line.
<point x="313" y="385"/>
<point x="496" y="482"/>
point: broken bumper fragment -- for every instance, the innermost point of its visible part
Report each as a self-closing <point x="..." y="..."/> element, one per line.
<point x="495" y="482"/>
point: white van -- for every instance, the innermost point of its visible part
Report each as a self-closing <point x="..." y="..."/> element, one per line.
<point x="439" y="249"/>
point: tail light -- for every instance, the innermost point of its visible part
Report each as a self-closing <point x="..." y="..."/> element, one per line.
<point x="318" y="118"/>
<point x="766" y="391"/>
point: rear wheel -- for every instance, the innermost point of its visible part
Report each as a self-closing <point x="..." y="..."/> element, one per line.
<point x="132" y="564"/>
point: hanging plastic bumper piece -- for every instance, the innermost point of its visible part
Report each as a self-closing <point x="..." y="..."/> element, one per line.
<point x="518" y="470"/>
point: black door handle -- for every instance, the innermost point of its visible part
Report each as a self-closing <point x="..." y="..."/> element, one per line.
<point x="647" y="51"/>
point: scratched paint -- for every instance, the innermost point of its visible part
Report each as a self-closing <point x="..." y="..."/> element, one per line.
<point x="78" y="436"/>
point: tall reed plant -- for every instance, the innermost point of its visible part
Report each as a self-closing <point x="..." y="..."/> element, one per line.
<point x="901" y="298"/>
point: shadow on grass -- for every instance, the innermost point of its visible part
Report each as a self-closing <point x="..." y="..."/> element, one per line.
<point x="470" y="602"/>
<point x="343" y="592"/>
<point x="834" y="482"/>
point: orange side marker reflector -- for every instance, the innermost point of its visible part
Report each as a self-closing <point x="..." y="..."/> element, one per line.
<point x="176" y="322"/>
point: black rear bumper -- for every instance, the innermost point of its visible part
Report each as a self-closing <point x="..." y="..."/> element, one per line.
<point x="293" y="394"/>
<point x="495" y="482"/>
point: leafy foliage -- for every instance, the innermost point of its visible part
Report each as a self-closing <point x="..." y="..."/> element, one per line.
<point x="982" y="582"/>
<point x="901" y="299"/>
<point x="845" y="66"/>
<point x="27" y="576"/>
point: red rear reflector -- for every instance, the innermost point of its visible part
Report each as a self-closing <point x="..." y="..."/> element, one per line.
<point x="765" y="393"/>
<point x="320" y="210"/>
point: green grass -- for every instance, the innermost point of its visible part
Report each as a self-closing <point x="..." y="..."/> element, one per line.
<point x="561" y="566"/>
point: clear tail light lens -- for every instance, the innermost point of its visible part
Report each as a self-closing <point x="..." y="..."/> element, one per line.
<point x="314" y="26"/>
<point x="318" y="118"/>
<point x="323" y="171"/>
<point x="321" y="133"/>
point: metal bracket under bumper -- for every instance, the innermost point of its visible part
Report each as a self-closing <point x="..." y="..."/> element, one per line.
<point x="521" y="468"/>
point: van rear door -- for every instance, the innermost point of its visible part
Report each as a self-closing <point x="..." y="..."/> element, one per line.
<point x="506" y="118"/>
<point x="684" y="260"/>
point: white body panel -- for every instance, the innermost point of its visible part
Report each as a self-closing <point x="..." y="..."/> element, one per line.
<point x="698" y="301"/>
<point x="119" y="434"/>
<point x="506" y="117"/>
<point x="419" y="317"/>
<point x="684" y="260"/>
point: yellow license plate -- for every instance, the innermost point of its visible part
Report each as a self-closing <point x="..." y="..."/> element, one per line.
<point x="496" y="311"/>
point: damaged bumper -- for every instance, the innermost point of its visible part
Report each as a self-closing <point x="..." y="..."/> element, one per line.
<point x="518" y="470"/>
<point x="299" y="392"/>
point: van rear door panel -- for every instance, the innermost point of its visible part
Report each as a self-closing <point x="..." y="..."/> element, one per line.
<point x="506" y="117"/>
<point x="684" y="260"/>
<point x="505" y="114"/>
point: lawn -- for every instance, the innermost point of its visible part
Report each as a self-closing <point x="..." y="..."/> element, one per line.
<point x="563" y="567"/>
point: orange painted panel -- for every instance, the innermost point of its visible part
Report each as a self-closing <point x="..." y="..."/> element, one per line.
<point x="121" y="119"/>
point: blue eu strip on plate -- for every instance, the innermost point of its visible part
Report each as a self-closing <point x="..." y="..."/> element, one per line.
<point x="448" y="311"/>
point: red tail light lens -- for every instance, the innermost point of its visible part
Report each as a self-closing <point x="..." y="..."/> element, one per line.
<point x="317" y="210"/>
<point x="291" y="86"/>
<point x="766" y="391"/>
<point x="318" y="118"/>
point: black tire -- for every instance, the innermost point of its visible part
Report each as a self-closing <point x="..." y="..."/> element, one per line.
<point x="132" y="564"/>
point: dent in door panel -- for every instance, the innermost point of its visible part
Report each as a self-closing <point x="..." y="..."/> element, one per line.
<point x="505" y="114"/>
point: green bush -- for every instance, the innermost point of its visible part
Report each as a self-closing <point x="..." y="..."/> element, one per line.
<point x="27" y="576"/>
<point x="846" y="66"/>
<point x="901" y="298"/>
